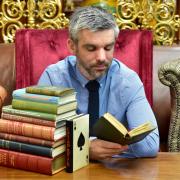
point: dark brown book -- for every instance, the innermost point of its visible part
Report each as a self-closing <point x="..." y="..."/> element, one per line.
<point x="33" y="163"/>
<point x="110" y="129"/>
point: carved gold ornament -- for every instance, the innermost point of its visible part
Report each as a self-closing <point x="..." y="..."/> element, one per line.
<point x="156" y="15"/>
<point x="39" y="14"/>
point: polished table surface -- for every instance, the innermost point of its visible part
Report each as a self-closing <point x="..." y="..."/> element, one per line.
<point x="166" y="166"/>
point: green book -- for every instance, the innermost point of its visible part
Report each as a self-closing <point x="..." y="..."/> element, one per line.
<point x="36" y="114"/>
<point x="21" y="94"/>
<point x="50" y="90"/>
<point x="32" y="149"/>
<point x="110" y="129"/>
<point x="43" y="107"/>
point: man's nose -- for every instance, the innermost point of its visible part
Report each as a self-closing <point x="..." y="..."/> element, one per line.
<point x="101" y="55"/>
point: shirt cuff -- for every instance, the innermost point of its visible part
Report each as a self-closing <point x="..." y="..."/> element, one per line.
<point x="92" y="138"/>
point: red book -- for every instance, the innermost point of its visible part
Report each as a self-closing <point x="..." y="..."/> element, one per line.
<point x="32" y="130"/>
<point x="30" y="162"/>
<point x="31" y="140"/>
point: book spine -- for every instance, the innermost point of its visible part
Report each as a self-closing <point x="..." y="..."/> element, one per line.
<point x="26" y="148"/>
<point x="27" y="129"/>
<point x="27" y="162"/>
<point x="34" y="106"/>
<point x="69" y="146"/>
<point x="25" y="139"/>
<point x="40" y="115"/>
<point x="21" y="95"/>
<point x="31" y="120"/>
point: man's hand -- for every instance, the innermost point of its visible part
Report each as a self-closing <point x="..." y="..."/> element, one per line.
<point x="100" y="149"/>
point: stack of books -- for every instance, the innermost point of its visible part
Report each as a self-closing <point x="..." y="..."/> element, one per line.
<point x="33" y="128"/>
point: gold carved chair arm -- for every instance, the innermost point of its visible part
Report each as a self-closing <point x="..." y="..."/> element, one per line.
<point x="169" y="75"/>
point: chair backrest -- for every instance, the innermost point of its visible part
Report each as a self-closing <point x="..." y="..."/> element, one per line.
<point x="7" y="69"/>
<point x="36" y="49"/>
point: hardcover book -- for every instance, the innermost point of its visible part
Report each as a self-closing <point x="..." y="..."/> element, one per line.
<point x="22" y="95"/>
<point x="32" y="149"/>
<point x="41" y="115"/>
<point x="110" y="129"/>
<point x="32" y="120"/>
<point x="31" y="140"/>
<point x="77" y="143"/>
<point x="50" y="90"/>
<point x="33" y="163"/>
<point x="32" y="130"/>
<point x="43" y="107"/>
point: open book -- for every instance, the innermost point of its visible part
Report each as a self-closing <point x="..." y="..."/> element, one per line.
<point x="110" y="129"/>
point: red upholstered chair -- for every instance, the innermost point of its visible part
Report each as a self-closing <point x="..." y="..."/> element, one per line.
<point x="36" y="49"/>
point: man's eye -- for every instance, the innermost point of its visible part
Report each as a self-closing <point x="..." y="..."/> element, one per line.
<point x="108" y="48"/>
<point x="90" y="48"/>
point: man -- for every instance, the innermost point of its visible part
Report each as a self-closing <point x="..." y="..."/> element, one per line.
<point x="93" y="33"/>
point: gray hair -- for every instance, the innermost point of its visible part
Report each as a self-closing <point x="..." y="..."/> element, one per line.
<point x="92" y="18"/>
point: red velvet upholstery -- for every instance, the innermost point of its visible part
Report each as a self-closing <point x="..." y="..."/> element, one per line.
<point x="135" y="48"/>
<point x="36" y="49"/>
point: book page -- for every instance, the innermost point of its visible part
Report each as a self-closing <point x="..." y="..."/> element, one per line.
<point x="141" y="129"/>
<point x="116" y="123"/>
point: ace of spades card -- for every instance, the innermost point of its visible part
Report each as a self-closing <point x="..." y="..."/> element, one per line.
<point x="78" y="142"/>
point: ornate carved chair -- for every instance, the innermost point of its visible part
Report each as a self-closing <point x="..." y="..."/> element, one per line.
<point x="169" y="75"/>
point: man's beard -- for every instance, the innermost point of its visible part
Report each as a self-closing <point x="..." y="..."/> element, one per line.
<point x="95" y="73"/>
<point x="90" y="70"/>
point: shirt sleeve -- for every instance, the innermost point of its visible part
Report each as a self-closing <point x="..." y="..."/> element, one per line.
<point x="138" y="112"/>
<point x="45" y="79"/>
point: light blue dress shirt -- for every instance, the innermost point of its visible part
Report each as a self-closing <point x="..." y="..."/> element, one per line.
<point x="121" y="93"/>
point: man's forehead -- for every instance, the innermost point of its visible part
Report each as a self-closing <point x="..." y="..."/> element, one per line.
<point x="90" y="37"/>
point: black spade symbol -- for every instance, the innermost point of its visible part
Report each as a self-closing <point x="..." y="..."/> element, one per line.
<point x="81" y="141"/>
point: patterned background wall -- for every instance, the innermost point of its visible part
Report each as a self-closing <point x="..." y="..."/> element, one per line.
<point x="160" y="16"/>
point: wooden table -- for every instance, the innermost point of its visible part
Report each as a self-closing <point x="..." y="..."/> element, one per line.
<point x="165" y="167"/>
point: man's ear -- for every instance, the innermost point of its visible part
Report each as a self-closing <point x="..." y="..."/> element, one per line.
<point x="71" y="46"/>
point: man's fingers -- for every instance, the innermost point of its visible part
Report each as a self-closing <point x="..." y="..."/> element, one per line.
<point x="111" y="145"/>
<point x="100" y="149"/>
